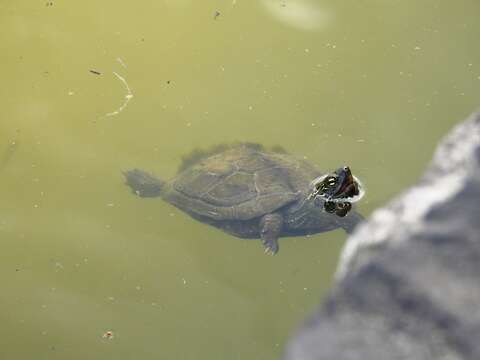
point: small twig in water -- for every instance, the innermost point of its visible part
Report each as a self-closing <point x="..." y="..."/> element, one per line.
<point x="121" y="62"/>
<point x="128" y="97"/>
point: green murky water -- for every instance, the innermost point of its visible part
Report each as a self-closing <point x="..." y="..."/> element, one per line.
<point x="374" y="84"/>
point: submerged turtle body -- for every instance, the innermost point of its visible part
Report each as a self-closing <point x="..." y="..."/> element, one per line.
<point x="246" y="191"/>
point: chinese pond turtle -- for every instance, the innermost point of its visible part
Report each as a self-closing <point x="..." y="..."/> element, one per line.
<point x="249" y="192"/>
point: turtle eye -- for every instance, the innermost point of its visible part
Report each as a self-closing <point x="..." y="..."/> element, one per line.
<point x="346" y="168"/>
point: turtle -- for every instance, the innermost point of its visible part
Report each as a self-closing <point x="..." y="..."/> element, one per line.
<point x="249" y="192"/>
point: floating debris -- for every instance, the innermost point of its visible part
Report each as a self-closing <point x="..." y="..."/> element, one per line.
<point x="95" y="72"/>
<point x="216" y="14"/>
<point x="128" y="96"/>
<point x="8" y="154"/>
<point x="108" y="335"/>
<point x="121" y="62"/>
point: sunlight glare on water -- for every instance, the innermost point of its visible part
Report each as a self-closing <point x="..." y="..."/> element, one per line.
<point x="301" y="14"/>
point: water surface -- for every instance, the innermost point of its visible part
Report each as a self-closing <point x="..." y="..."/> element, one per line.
<point x="93" y="88"/>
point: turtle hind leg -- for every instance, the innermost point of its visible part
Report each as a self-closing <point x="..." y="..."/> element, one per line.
<point x="143" y="184"/>
<point x="270" y="229"/>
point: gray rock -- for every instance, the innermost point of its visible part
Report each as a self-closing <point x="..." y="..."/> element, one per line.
<point x="408" y="283"/>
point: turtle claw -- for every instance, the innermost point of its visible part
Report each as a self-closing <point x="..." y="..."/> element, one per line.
<point x="271" y="246"/>
<point x="269" y="252"/>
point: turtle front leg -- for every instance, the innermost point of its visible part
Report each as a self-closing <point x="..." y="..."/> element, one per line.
<point x="270" y="229"/>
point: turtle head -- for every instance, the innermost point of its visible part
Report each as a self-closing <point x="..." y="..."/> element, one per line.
<point x="332" y="193"/>
<point x="340" y="184"/>
<point x="336" y="191"/>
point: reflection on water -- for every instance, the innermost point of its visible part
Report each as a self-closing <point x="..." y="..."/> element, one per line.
<point x="300" y="14"/>
<point x="372" y="84"/>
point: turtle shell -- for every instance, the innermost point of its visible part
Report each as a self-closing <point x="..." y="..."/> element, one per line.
<point x="240" y="183"/>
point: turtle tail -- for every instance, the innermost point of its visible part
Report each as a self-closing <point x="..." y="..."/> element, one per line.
<point x="143" y="184"/>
